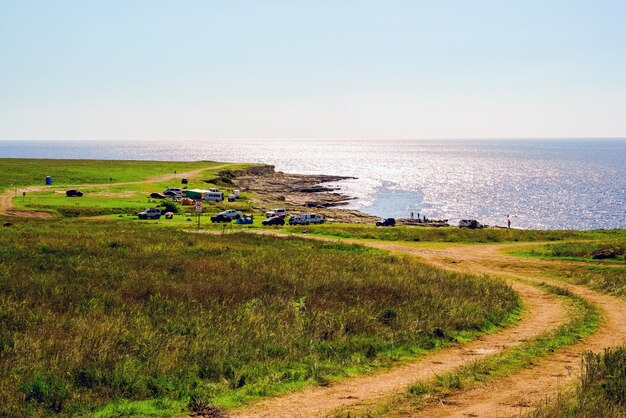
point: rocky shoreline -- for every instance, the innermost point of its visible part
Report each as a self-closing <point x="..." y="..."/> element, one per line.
<point x="305" y="193"/>
<point x="298" y="193"/>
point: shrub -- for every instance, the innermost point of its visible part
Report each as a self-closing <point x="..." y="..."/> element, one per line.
<point x="47" y="390"/>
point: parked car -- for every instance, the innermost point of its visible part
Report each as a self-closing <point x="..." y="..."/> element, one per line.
<point x="276" y="212"/>
<point x="173" y="191"/>
<point x="246" y="220"/>
<point x="157" y="196"/>
<point x="73" y="193"/>
<point x="184" y="181"/>
<point x="306" y="218"/>
<point x="386" y="222"/>
<point x="220" y="218"/>
<point x="274" y="220"/>
<point x="470" y="223"/>
<point x="227" y="216"/>
<point x="152" y="213"/>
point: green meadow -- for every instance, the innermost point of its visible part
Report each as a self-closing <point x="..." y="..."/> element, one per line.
<point x="450" y="234"/>
<point x="33" y="172"/>
<point x="106" y="317"/>
<point x="111" y="198"/>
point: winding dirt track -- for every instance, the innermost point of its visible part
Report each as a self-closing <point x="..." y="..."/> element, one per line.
<point x="6" y="198"/>
<point x="508" y="396"/>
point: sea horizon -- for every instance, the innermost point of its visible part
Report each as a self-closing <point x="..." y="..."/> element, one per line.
<point x="549" y="183"/>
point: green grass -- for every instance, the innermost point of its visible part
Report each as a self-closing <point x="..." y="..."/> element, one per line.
<point x="29" y="172"/>
<point x="584" y="319"/>
<point x="447" y="234"/>
<point x="601" y="390"/>
<point x="120" y="318"/>
<point x="609" y="279"/>
<point x="607" y="276"/>
<point x="121" y="198"/>
<point x="577" y="251"/>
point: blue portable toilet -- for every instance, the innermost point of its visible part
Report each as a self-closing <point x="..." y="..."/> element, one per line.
<point x="48" y="180"/>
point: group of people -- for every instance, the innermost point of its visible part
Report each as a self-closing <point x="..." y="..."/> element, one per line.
<point x="424" y="219"/>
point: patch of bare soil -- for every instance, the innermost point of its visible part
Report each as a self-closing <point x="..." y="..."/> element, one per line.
<point x="6" y="204"/>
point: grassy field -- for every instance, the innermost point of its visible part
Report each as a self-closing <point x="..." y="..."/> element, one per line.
<point x="117" y="198"/>
<point x="117" y="318"/>
<point x="607" y="276"/>
<point x="581" y="251"/>
<point x="447" y="234"/>
<point x="29" y="172"/>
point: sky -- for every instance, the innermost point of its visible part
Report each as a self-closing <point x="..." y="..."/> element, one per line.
<point x="412" y="69"/>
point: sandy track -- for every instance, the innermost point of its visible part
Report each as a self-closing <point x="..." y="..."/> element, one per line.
<point x="544" y="312"/>
<point x="508" y="396"/>
<point x="6" y="198"/>
<point x="526" y="390"/>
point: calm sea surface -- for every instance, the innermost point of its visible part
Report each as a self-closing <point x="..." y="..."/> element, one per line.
<point x="543" y="184"/>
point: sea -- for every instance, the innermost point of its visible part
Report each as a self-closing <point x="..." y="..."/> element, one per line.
<point x="537" y="184"/>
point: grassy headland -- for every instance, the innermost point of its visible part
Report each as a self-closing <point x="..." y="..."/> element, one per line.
<point x="113" y="198"/>
<point x="32" y="171"/>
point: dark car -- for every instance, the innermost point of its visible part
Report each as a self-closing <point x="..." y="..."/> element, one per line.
<point x="386" y="222"/>
<point x="470" y="223"/>
<point x="73" y="193"/>
<point x="184" y="181"/>
<point x="274" y="220"/>
<point x="220" y="218"/>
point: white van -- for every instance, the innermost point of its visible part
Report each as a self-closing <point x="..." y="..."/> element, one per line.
<point x="213" y="196"/>
<point x="306" y="218"/>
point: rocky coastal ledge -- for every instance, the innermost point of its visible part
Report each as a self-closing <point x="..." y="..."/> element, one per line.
<point x="296" y="192"/>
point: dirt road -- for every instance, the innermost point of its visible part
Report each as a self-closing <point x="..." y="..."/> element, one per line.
<point x="509" y="396"/>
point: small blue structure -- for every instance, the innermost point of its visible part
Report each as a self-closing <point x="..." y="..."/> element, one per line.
<point x="48" y="180"/>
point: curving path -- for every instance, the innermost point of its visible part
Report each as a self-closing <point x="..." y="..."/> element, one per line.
<point x="508" y="396"/>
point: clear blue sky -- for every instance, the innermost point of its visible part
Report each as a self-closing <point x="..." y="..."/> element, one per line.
<point x="279" y="69"/>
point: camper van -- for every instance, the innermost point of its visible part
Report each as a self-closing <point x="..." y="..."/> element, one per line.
<point x="213" y="196"/>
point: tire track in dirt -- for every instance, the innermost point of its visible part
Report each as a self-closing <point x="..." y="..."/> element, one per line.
<point x="544" y="312"/>
<point x="526" y="390"/>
